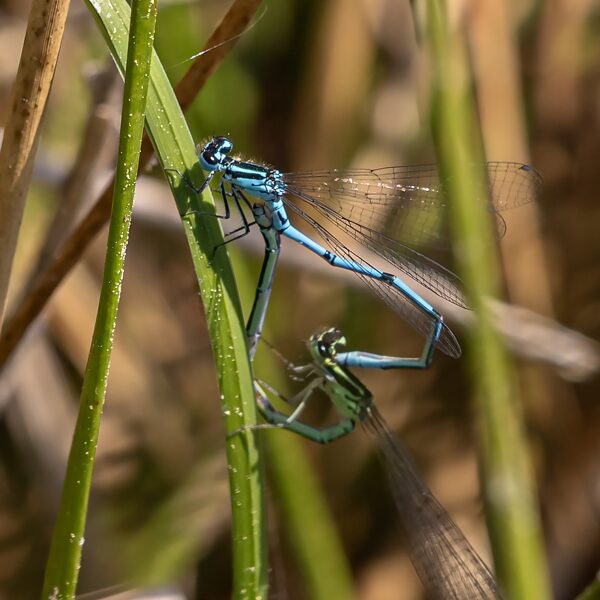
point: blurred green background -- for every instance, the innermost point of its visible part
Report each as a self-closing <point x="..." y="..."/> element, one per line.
<point x="313" y="84"/>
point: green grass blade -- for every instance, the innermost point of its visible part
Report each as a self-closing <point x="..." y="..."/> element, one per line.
<point x="65" y="552"/>
<point x="175" y="149"/>
<point x="511" y="504"/>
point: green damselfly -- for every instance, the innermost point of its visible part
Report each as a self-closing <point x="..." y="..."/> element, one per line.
<point x="447" y="564"/>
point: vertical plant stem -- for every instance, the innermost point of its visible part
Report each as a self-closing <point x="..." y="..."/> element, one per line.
<point x="30" y="92"/>
<point x="508" y="485"/>
<point x="65" y="553"/>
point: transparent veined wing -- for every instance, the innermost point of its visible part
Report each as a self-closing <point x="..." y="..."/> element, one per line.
<point x="444" y="559"/>
<point x="374" y="197"/>
<point x="395" y="210"/>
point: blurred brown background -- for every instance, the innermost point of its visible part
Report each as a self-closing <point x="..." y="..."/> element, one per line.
<point x="312" y="85"/>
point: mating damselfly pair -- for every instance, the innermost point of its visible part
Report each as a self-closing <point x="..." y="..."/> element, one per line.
<point x="382" y="212"/>
<point x="385" y="212"/>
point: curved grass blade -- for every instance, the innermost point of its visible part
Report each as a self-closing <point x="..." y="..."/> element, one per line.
<point x="175" y="149"/>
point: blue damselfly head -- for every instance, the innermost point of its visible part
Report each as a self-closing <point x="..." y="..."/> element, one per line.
<point x="213" y="153"/>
